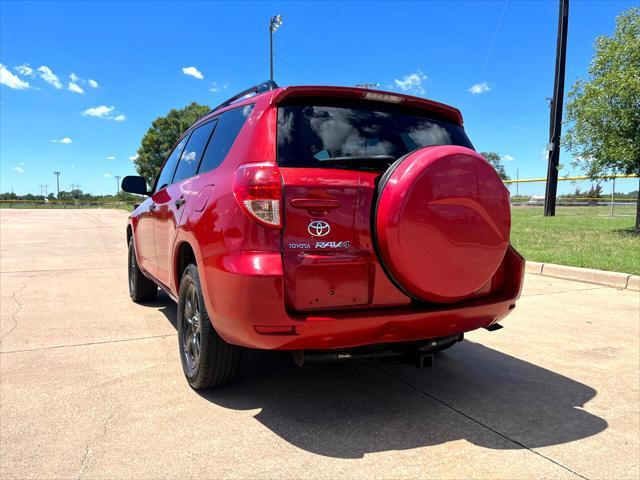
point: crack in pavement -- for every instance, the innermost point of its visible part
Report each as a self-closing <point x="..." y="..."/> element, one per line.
<point x="478" y="422"/>
<point x="63" y="269"/>
<point x="87" y="451"/>
<point x="565" y="291"/>
<point x="14" y="315"/>
<point x="122" y="340"/>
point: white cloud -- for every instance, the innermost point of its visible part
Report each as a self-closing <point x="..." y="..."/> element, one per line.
<point x="92" y="83"/>
<point x="10" y="80"/>
<point x="111" y="157"/>
<point x="102" y="111"/>
<point x="134" y="157"/>
<point x="479" y="88"/>
<point x="216" y="87"/>
<point x="74" y="78"/>
<point x="65" y="140"/>
<point x="19" y="169"/>
<point x="193" y="71"/>
<point x="25" y="70"/>
<point x="48" y="76"/>
<point x="508" y="158"/>
<point x="74" y="87"/>
<point x="411" y="83"/>
<point x="107" y="175"/>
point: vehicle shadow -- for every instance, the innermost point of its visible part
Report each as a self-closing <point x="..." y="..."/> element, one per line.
<point x="350" y="409"/>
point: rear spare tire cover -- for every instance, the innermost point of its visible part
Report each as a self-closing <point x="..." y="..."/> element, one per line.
<point x="442" y="223"/>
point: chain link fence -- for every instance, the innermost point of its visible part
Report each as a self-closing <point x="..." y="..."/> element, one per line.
<point x="67" y="204"/>
<point x="615" y="194"/>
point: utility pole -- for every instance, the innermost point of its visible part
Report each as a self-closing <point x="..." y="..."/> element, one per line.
<point x="274" y="24"/>
<point x="43" y="188"/>
<point x="57" y="174"/>
<point x="117" y="177"/>
<point x="556" y="111"/>
<point x="75" y="186"/>
<point x="367" y="85"/>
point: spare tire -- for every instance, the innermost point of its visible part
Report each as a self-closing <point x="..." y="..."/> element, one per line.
<point x="441" y="223"/>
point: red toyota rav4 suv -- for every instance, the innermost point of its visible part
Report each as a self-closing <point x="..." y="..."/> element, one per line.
<point x="332" y="222"/>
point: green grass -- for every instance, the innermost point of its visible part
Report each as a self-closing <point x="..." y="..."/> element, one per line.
<point x="578" y="236"/>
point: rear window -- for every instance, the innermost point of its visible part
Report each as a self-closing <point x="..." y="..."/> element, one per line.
<point x="357" y="137"/>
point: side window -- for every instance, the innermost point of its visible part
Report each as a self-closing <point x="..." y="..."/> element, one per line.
<point x="192" y="153"/>
<point x="229" y="125"/>
<point x="164" y="178"/>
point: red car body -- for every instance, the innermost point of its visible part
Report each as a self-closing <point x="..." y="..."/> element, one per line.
<point x="269" y="287"/>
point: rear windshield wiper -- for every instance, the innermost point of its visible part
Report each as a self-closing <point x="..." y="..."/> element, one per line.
<point x="355" y="158"/>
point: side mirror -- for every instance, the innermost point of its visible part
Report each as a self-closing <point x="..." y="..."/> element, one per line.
<point x="135" y="184"/>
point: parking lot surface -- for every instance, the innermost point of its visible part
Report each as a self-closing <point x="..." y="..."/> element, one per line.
<point x="91" y="384"/>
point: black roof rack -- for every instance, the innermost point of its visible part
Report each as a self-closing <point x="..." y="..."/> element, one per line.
<point x="256" y="90"/>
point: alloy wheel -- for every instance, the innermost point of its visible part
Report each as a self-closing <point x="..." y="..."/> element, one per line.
<point x="191" y="328"/>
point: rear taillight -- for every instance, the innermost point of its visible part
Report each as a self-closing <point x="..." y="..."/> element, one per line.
<point x="258" y="189"/>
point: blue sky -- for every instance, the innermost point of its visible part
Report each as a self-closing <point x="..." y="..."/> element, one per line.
<point x="135" y="55"/>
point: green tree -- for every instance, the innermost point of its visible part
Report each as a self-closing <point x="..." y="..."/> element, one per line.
<point x="162" y="136"/>
<point x="496" y="161"/>
<point x="603" y="112"/>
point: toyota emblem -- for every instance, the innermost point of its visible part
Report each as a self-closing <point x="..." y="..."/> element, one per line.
<point x="318" y="228"/>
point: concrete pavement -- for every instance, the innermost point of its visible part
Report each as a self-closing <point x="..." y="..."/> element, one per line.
<point x="91" y="384"/>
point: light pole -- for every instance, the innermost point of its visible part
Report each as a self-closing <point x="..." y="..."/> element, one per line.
<point x="117" y="177"/>
<point x="57" y="174"/>
<point x="367" y="85"/>
<point x="274" y="24"/>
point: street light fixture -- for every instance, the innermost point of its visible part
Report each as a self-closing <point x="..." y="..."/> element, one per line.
<point x="274" y="24"/>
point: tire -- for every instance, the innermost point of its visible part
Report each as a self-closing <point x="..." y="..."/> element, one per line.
<point x="141" y="289"/>
<point x="207" y="360"/>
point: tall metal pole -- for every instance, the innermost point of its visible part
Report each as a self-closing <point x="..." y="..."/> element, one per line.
<point x="556" y="112"/>
<point x="274" y="24"/>
<point x="117" y="177"/>
<point x="57" y="174"/>
<point x="270" y="53"/>
<point x="613" y="192"/>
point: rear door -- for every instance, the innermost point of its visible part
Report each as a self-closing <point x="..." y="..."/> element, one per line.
<point x="145" y="248"/>
<point x="331" y="155"/>
<point x="170" y="203"/>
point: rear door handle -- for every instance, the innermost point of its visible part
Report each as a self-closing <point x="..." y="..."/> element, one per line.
<point x="315" y="203"/>
<point x="179" y="202"/>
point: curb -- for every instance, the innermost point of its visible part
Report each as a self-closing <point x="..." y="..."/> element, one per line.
<point x="624" y="281"/>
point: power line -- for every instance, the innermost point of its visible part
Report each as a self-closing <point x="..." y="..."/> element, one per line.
<point x="294" y="68"/>
<point x="493" y="42"/>
<point x="321" y="22"/>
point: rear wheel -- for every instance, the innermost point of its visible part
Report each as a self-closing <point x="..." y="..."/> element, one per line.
<point x="207" y="360"/>
<point x="141" y="289"/>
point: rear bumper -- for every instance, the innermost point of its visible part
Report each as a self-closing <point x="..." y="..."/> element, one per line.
<point x="247" y="309"/>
